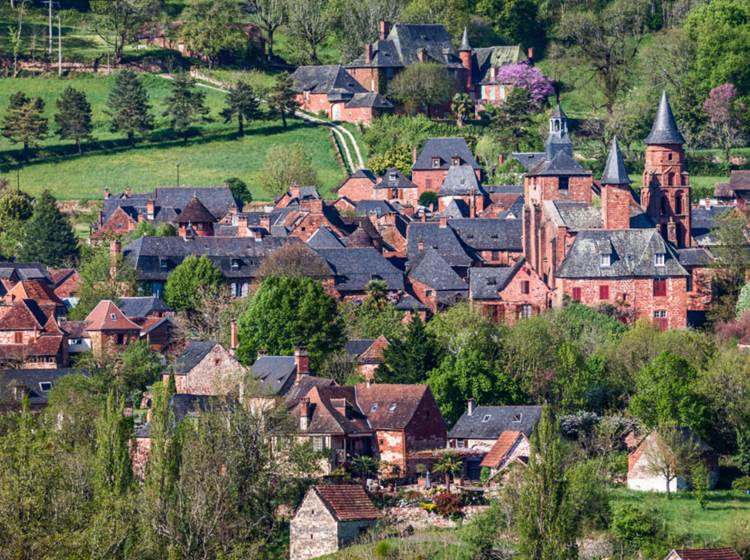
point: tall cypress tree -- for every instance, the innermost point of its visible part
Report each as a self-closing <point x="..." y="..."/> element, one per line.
<point x="185" y="106"/>
<point x="242" y="103"/>
<point x="113" y="474"/>
<point x="48" y="237"/>
<point x="25" y="122"/>
<point x="410" y="358"/>
<point x="283" y="100"/>
<point x="73" y="116"/>
<point x="546" y="525"/>
<point x="129" y="107"/>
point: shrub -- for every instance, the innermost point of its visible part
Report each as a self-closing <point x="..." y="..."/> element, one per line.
<point x="741" y="484"/>
<point x="447" y="505"/>
<point x="385" y="550"/>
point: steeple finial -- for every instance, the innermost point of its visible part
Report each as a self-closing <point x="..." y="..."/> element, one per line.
<point x="664" y="130"/>
<point x="465" y="41"/>
<point x="614" y="171"/>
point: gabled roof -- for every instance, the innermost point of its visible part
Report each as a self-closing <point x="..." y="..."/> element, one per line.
<point x="330" y="79"/>
<point x="327" y="419"/>
<point x="274" y="373"/>
<point x="324" y="238"/>
<point x="140" y="307"/>
<point x="34" y="381"/>
<point x="347" y="502"/>
<point x="614" y="171"/>
<point x="394" y="179"/>
<point x="489" y="234"/>
<point x="369" y="100"/>
<point x="355" y="267"/>
<point x="106" y="316"/>
<point x="192" y="355"/>
<point x="431" y="269"/>
<point x="443" y="239"/>
<point x="445" y="149"/>
<point x="22" y="314"/>
<point x="707" y="554"/>
<point x="500" y="449"/>
<point x="390" y="406"/>
<point x="195" y="213"/>
<point x="24" y="271"/>
<point x="457" y="209"/>
<point x="461" y="180"/>
<point x="38" y="290"/>
<point x="377" y="207"/>
<point x="631" y="254"/>
<point x="695" y="256"/>
<point x="486" y="283"/>
<point x="488" y="422"/>
<point x="703" y="224"/>
<point x="664" y="130"/>
<point x="169" y="201"/>
<point x="561" y="164"/>
<point x="484" y="58"/>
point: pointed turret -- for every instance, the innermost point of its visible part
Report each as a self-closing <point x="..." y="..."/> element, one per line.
<point x="664" y="130"/>
<point x="558" y="139"/>
<point x="465" y="42"/>
<point x="614" y="171"/>
<point x="465" y="54"/>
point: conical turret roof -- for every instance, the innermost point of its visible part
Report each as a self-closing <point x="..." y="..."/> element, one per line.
<point x="614" y="171"/>
<point x="664" y="130"/>
<point x="465" y="41"/>
<point x="558" y="113"/>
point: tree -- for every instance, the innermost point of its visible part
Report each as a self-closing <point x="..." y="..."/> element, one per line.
<point x="666" y="394"/>
<point x="398" y="157"/>
<point x="375" y="316"/>
<point x="15" y="208"/>
<point x="449" y="464"/>
<point x="511" y="122"/>
<point x="241" y="103"/>
<point x="186" y="281"/>
<point x="119" y="21"/>
<point x="589" y="494"/>
<point x="282" y="99"/>
<point x="546" y="525"/>
<point x="462" y="107"/>
<point x="186" y="106"/>
<point x="270" y="15"/>
<point x="409" y="359"/>
<point x="423" y="85"/>
<point x="112" y="471"/>
<point x="309" y="24"/>
<point x="294" y="259"/>
<point x="285" y="165"/>
<point x="530" y="78"/>
<point x="364" y="466"/>
<point x="357" y="23"/>
<point x="48" y="237"/>
<point x="671" y="453"/>
<point x="724" y="112"/>
<point x="211" y="27"/>
<point x="25" y="122"/>
<point x="103" y="276"/>
<point x="517" y="20"/>
<point x="429" y="199"/>
<point x="140" y="366"/>
<point x="128" y="106"/>
<point x="743" y="300"/>
<point x="341" y="366"/>
<point x="240" y="190"/>
<point x="732" y="262"/>
<point x="289" y="312"/>
<point x="73" y="117"/>
<point x="743" y="450"/>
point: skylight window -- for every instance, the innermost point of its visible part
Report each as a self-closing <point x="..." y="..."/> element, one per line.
<point x="486" y="418"/>
<point x="374" y="407"/>
<point x="113" y="316"/>
<point x="605" y="261"/>
<point x="392" y="407"/>
<point x="45" y="385"/>
<point x="516" y="418"/>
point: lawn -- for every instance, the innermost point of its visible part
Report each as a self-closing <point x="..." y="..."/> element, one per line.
<point x="207" y="159"/>
<point x="436" y="545"/>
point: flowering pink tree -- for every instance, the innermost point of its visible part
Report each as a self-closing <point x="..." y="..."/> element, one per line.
<point x="724" y="112"/>
<point x="527" y="77"/>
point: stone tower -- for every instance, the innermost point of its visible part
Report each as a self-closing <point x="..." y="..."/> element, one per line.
<point x="464" y="53"/>
<point x="616" y="195"/>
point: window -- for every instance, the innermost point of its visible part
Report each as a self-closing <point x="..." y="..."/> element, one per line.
<point x="576" y="294"/>
<point x="495" y="255"/>
<point x="525" y="312"/>
<point x="429" y="293"/>
<point x="669" y="156"/>
<point x="563" y="185"/>
<point x="163" y="264"/>
<point x="436" y="163"/>
<point x="392" y="407"/>
<point x="660" y="287"/>
<point x="318" y="443"/>
<point x="456" y="161"/>
<point x="525" y="287"/>
<point x="486" y="418"/>
<point x="18" y="338"/>
<point x="491" y="89"/>
<point x="235" y="264"/>
<point x="460" y="443"/>
<point x="392" y="176"/>
<point x="690" y="283"/>
<point x="605" y="261"/>
<point x="502" y="92"/>
<point x="45" y="386"/>
<point x="660" y="319"/>
<point x="374" y="407"/>
<point x="113" y="317"/>
<point x="678" y="203"/>
<point x="517" y="417"/>
<point x="604" y="292"/>
<point x="120" y="339"/>
<point x="428" y="184"/>
<point x="659" y="259"/>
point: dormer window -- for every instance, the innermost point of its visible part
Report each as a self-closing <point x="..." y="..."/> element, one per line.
<point x="113" y="317"/>
<point x="659" y="259"/>
<point x="436" y="163"/>
<point x="163" y="264"/>
<point x="605" y="261"/>
<point x="517" y="418"/>
<point x="45" y="386"/>
<point x="235" y="264"/>
<point x="456" y="161"/>
<point x="486" y="418"/>
<point x="393" y="176"/>
<point x="392" y="407"/>
<point x="374" y="407"/>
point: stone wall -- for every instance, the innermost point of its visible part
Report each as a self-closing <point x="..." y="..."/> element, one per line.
<point x="420" y="519"/>
<point x="356" y="189"/>
<point x="313" y="531"/>
<point x="218" y="373"/>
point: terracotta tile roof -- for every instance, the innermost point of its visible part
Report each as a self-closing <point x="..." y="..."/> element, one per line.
<point x="106" y="316"/>
<point x="708" y="554"/>
<point x="22" y="315"/>
<point x="390" y="406"/>
<point x="66" y="281"/>
<point x="43" y="346"/>
<point x="500" y="449"/>
<point x="347" y="502"/>
<point x="39" y="291"/>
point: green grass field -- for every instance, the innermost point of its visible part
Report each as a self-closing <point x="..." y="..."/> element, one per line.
<point x="109" y="162"/>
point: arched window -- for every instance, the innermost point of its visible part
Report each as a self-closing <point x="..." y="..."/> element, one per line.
<point x="664" y="205"/>
<point x="670" y="179"/>
<point x="678" y="202"/>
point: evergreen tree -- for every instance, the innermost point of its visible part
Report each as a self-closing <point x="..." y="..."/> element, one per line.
<point x="410" y="358"/>
<point x="242" y="103"/>
<point x="129" y="107"/>
<point x="48" y="237"/>
<point x="185" y="106"/>
<point x="73" y="116"/>
<point x="25" y="122"/>
<point x="546" y="524"/>
<point x="112" y="471"/>
<point x="282" y="99"/>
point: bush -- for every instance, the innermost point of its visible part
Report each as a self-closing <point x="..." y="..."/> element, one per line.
<point x="448" y="505"/>
<point x="385" y="550"/>
<point x="634" y="525"/>
<point x="741" y="484"/>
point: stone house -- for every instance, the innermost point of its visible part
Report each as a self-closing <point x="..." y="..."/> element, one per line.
<point x="39" y="291"/>
<point x="368" y="354"/>
<point x="435" y="159"/>
<point x="509" y="448"/>
<point x="108" y="328"/>
<point x="358" y="186"/>
<point x="205" y="367"/>
<point x="34" y="383"/>
<point x="355" y="267"/>
<point x="31" y="338"/>
<point x="329" y="518"/>
<point x="434" y="282"/>
<point x="66" y="283"/>
<point x="153" y="316"/>
<point x="643" y="463"/>
<point x="496" y="242"/>
<point x="461" y="185"/>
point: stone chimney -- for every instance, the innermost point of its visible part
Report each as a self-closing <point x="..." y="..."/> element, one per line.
<point x="150" y="209"/>
<point x="340" y="406"/>
<point x="443" y="221"/>
<point x="294" y="190"/>
<point x="530" y="54"/>
<point x="368" y="53"/>
<point x="265" y="222"/>
<point x="233" y="340"/>
<point x="384" y="29"/>
<point x="414" y="155"/>
<point x="115" y="248"/>
<point x="421" y="54"/>
<point x="304" y="414"/>
<point x="242" y="229"/>
<point x="470" y="407"/>
<point x="301" y="363"/>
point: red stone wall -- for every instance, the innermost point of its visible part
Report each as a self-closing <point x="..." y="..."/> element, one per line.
<point x="314" y="102"/>
<point x="421" y="290"/>
<point x="359" y="115"/>
<point x="540" y="188"/>
<point x="119" y="223"/>
<point x="356" y="189"/>
<point x="391" y="448"/>
<point x="664" y="181"/>
<point x="369" y="78"/>
<point x="616" y="206"/>
<point x="139" y="454"/>
<point x="428" y="180"/>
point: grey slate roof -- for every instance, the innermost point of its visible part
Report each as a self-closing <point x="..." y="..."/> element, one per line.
<point x="694" y="256"/>
<point x="329" y="79"/>
<point x="377" y="207"/>
<point x="192" y="355"/>
<point x="445" y="149"/>
<point x="409" y="303"/>
<point x="562" y="163"/>
<point x="465" y="46"/>
<point x="274" y="373"/>
<point x="357" y="346"/>
<point x="577" y="215"/>
<point x="369" y="100"/>
<point x="24" y="271"/>
<point x="457" y="209"/>
<point x="442" y="239"/>
<point x="431" y="269"/>
<point x="489" y="234"/>
<point x="528" y="159"/>
<point x="31" y="379"/>
<point x="324" y="238"/>
<point x="394" y="179"/>
<point x="169" y="202"/>
<point x="486" y="282"/>
<point x="614" y="171"/>
<point x="703" y="224"/>
<point x="488" y="422"/>
<point x="355" y="267"/>
<point x="484" y="58"/>
<point x="460" y="181"/>
<point x="631" y="252"/>
<point x="139" y="307"/>
<point x="664" y="130"/>
<point x="149" y="253"/>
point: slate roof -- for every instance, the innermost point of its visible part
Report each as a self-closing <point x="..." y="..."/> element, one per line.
<point x="486" y="282"/>
<point x="489" y="234"/>
<point x="330" y="79"/>
<point x="324" y="238"/>
<point x="169" y="202"/>
<point x="431" y="269"/>
<point x="358" y="346"/>
<point x="445" y="149"/>
<point x="369" y="100"/>
<point x="274" y="373"/>
<point x="24" y="271"/>
<point x="614" y="170"/>
<point x="394" y="179"/>
<point x="694" y="256"/>
<point x="576" y="215"/>
<point x="155" y="257"/>
<point x="140" y="307"/>
<point x="632" y="254"/>
<point x="442" y="239"/>
<point x="195" y="212"/>
<point x="484" y="58"/>
<point x="347" y="502"/>
<point x="528" y="159"/>
<point x="739" y="180"/>
<point x="457" y="209"/>
<point x="703" y="223"/>
<point x="184" y="404"/>
<point x="192" y="355"/>
<point x="390" y="406"/>
<point x="31" y="380"/>
<point x="664" y="129"/>
<point x="354" y="267"/>
<point x="377" y="207"/>
<point x="465" y="46"/>
<point x="488" y="422"/>
<point x="408" y="302"/>
<point x="460" y="181"/>
<point x="562" y="163"/>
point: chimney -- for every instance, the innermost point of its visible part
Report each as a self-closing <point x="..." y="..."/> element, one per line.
<point x="294" y="190"/>
<point x="473" y="206"/>
<point x="443" y="221"/>
<point x="414" y="155"/>
<point x="530" y="54"/>
<point x="421" y="55"/>
<point x="492" y="73"/>
<point x="301" y="363"/>
<point x="424" y="216"/>
<point x="233" y="341"/>
<point x="470" y="407"/>
<point x="150" y="209"/>
<point x="242" y="229"/>
<point x="114" y="254"/>
<point x="368" y="53"/>
<point x="106" y="194"/>
<point x="304" y="414"/>
<point x="384" y="29"/>
<point x="340" y="406"/>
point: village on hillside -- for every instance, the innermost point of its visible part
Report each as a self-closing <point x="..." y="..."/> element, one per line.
<point x="302" y="279"/>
